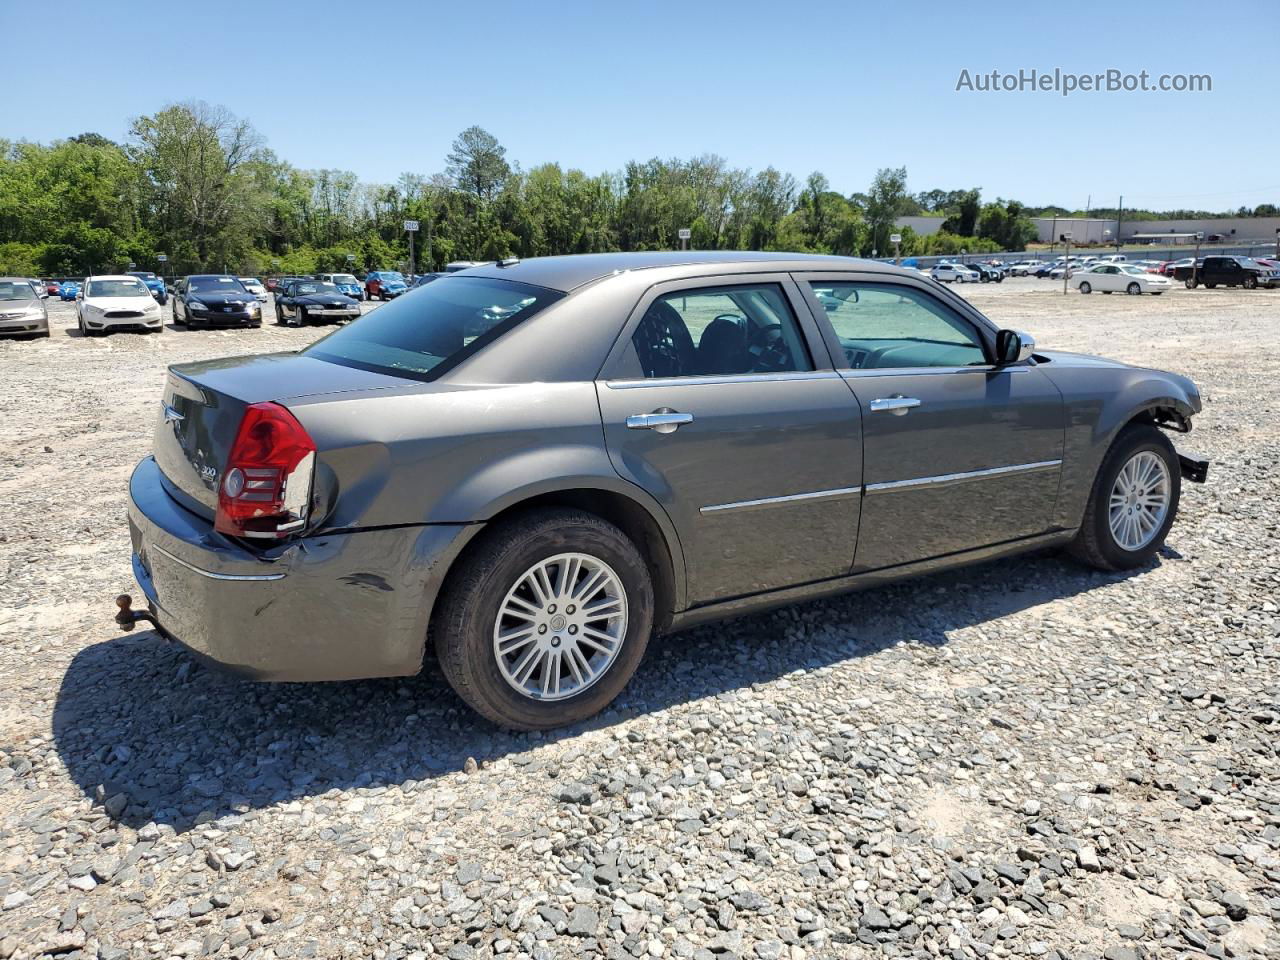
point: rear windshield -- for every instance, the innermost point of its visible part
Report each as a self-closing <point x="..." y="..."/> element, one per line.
<point x="422" y="334"/>
<point x="344" y="278"/>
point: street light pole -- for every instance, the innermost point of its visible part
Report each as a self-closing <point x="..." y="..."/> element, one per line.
<point x="1066" y="264"/>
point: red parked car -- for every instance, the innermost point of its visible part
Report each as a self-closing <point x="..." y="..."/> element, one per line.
<point x="52" y="287"/>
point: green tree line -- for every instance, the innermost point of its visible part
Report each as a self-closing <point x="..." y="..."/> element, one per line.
<point x="200" y="186"/>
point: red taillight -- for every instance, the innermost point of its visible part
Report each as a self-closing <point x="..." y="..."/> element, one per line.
<point x="266" y="485"/>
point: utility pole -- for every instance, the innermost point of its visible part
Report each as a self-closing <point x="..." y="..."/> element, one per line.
<point x="1119" y="222"/>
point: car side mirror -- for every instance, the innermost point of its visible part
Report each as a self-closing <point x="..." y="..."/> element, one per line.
<point x="1014" y="346"/>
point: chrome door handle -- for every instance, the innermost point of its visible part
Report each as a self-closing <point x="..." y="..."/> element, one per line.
<point x="898" y="406"/>
<point x="665" y="420"/>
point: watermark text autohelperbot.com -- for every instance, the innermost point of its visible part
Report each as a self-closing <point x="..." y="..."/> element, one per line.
<point x="1065" y="83"/>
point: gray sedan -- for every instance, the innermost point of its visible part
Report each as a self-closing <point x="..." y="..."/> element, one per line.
<point x="533" y="466"/>
<point x="22" y="309"/>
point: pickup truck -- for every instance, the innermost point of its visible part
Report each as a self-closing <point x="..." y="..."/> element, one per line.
<point x="1227" y="272"/>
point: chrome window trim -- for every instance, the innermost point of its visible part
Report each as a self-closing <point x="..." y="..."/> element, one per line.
<point x="774" y="501"/>
<point x="947" y="478"/>
<point x="928" y="371"/>
<point x="215" y="576"/>
<point x="727" y="378"/>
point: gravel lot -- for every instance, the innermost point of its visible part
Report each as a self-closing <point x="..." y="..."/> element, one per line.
<point x="1022" y="759"/>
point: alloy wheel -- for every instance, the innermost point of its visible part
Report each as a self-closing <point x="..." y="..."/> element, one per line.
<point x="1139" y="500"/>
<point x="560" y="627"/>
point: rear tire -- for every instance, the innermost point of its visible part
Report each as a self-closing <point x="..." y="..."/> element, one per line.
<point x="1086" y="288"/>
<point x="1096" y="543"/>
<point x="487" y="580"/>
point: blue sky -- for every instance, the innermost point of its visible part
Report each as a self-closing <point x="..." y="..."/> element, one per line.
<point x="845" y="88"/>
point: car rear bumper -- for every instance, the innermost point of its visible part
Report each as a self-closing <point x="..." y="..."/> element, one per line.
<point x="336" y="606"/>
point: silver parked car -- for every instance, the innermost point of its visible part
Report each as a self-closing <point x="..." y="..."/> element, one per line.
<point x="535" y="465"/>
<point x="22" y="309"/>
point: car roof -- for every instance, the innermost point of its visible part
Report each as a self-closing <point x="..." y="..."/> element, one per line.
<point x="112" y="276"/>
<point x="570" y="272"/>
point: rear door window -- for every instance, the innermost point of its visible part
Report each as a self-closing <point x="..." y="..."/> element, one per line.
<point x="720" y="331"/>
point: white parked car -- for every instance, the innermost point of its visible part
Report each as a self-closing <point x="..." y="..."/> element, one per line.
<point x="955" y="273"/>
<point x="1114" y="277"/>
<point x="1113" y="258"/>
<point x="1024" y="268"/>
<point x="107" y="303"/>
<point x="254" y="286"/>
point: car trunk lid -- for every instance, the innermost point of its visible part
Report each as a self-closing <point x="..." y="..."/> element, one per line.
<point x="203" y="404"/>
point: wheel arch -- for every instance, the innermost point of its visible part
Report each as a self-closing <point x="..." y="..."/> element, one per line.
<point x="1149" y="397"/>
<point x="646" y="524"/>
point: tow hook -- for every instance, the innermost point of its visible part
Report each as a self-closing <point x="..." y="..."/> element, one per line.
<point x="127" y="616"/>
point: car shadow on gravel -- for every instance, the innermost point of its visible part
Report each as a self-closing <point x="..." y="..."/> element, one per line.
<point x="152" y="734"/>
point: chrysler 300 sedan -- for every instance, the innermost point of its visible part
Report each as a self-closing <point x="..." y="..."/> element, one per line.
<point x="533" y="466"/>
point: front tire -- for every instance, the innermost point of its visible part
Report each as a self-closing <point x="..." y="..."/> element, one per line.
<point x="545" y="620"/>
<point x="1133" y="289"/>
<point x="1250" y="282"/>
<point x="1189" y="283"/>
<point x="1133" y="502"/>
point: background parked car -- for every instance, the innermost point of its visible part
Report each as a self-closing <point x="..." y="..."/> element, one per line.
<point x="384" y="285"/>
<point x="346" y="283"/>
<point x="986" y="272"/>
<point x="1227" y="272"/>
<point x="50" y="287"/>
<point x="154" y="284"/>
<point x="314" y="301"/>
<point x="954" y="273"/>
<point x="114" y="302"/>
<point x="425" y="278"/>
<point x="211" y="299"/>
<point x="1117" y="277"/>
<point x="21" y="308"/>
<point x="68" y="290"/>
<point x="254" y="286"/>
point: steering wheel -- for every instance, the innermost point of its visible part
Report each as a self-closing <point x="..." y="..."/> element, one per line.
<point x="769" y="349"/>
